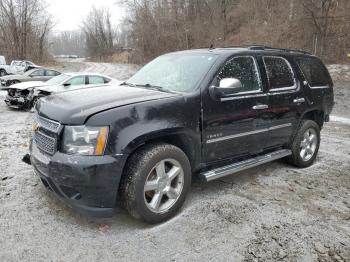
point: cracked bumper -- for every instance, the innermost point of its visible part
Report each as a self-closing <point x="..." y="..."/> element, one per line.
<point x="88" y="184"/>
<point x="15" y="102"/>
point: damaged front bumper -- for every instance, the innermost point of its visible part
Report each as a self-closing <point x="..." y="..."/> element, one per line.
<point x="16" y="102"/>
<point x="88" y="184"/>
<point x="19" y="99"/>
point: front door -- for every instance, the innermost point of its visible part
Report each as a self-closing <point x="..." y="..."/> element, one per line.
<point x="236" y="126"/>
<point x="74" y="83"/>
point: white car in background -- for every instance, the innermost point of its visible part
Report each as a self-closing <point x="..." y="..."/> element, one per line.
<point x="16" y="67"/>
<point x="25" y="95"/>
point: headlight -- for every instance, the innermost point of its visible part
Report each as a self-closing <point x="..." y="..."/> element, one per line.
<point x="85" y="140"/>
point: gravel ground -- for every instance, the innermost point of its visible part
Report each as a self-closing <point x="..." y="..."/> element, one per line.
<point x="272" y="212"/>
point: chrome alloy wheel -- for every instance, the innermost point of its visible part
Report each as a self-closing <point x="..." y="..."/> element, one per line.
<point x="308" y="145"/>
<point x="164" y="185"/>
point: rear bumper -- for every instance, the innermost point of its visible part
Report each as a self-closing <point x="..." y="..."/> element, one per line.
<point x="88" y="184"/>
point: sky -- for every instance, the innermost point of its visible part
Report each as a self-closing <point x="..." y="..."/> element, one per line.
<point x="68" y="14"/>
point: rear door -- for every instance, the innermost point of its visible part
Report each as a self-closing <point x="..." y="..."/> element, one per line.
<point x="96" y="80"/>
<point x="38" y="75"/>
<point x="286" y="99"/>
<point x="235" y="126"/>
<point x="50" y="74"/>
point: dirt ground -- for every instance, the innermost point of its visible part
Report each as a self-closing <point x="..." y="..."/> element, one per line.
<point x="274" y="212"/>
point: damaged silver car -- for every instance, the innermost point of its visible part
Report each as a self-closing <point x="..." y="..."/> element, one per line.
<point x="40" y="74"/>
<point x="25" y="95"/>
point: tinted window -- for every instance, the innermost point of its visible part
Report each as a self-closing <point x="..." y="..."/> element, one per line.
<point x="38" y="73"/>
<point x="78" y="80"/>
<point x="314" y="71"/>
<point x="279" y="73"/>
<point x="95" y="80"/>
<point x="244" y="69"/>
<point x="52" y="73"/>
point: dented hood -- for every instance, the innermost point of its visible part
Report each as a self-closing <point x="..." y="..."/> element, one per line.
<point x="75" y="107"/>
<point x="26" y="85"/>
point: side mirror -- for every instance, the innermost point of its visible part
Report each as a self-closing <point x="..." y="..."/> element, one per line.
<point x="227" y="87"/>
<point x="66" y="84"/>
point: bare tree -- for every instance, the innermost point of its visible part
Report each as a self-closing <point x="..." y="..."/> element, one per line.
<point x="158" y="26"/>
<point x="99" y="34"/>
<point x="68" y="43"/>
<point x="24" y="28"/>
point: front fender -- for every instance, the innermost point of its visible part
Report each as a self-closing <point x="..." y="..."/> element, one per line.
<point x="165" y="119"/>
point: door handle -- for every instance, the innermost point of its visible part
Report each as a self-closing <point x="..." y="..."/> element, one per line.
<point x="260" y="107"/>
<point x="299" y="100"/>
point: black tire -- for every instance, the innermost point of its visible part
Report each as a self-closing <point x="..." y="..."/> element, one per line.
<point x="296" y="159"/>
<point x="138" y="169"/>
<point x="2" y="72"/>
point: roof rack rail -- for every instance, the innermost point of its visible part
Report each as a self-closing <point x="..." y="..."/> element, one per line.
<point x="268" y="48"/>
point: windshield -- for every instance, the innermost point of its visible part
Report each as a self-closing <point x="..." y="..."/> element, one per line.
<point x="174" y="72"/>
<point x="58" y="79"/>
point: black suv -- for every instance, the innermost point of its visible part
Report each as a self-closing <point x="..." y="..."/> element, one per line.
<point x="206" y="112"/>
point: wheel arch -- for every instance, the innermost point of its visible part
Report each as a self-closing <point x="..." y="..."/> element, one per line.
<point x="188" y="143"/>
<point x="316" y="115"/>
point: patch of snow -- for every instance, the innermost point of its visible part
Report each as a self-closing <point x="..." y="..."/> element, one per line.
<point x="343" y="120"/>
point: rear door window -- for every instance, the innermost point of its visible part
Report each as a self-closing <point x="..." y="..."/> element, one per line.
<point x="314" y="71"/>
<point x="96" y="80"/>
<point x="52" y="73"/>
<point x="279" y="73"/>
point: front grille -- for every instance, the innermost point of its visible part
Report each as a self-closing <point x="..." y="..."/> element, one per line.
<point x="17" y="92"/>
<point x="48" y="124"/>
<point x="46" y="134"/>
<point x="45" y="142"/>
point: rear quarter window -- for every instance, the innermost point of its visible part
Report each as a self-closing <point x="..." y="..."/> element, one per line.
<point x="314" y="71"/>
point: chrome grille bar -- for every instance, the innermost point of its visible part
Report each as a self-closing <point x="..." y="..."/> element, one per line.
<point x="45" y="142"/>
<point x="48" y="124"/>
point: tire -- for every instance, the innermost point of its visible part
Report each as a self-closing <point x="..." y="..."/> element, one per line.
<point x="2" y="72"/>
<point x="305" y="145"/>
<point x="166" y="195"/>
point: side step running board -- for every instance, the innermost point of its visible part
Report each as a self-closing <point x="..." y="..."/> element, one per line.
<point x="243" y="165"/>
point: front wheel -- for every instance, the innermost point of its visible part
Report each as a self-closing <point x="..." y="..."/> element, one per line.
<point x="156" y="182"/>
<point x="306" y="144"/>
<point x="2" y="73"/>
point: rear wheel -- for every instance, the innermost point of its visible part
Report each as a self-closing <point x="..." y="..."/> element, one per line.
<point x="306" y="144"/>
<point x="2" y="72"/>
<point x="156" y="182"/>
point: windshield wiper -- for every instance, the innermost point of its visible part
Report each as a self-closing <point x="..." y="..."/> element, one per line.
<point x="158" y="88"/>
<point x="128" y="84"/>
<point x="148" y="86"/>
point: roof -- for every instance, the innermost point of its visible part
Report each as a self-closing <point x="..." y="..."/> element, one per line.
<point x="239" y="49"/>
<point x="85" y="74"/>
